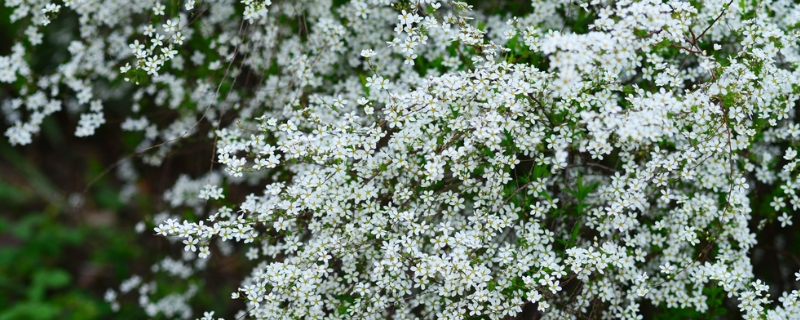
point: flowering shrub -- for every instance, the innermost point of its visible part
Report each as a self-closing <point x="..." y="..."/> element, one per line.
<point x="429" y="159"/>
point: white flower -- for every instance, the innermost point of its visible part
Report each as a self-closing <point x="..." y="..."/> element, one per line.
<point x="790" y="154"/>
<point x="785" y="219"/>
<point x="367" y="53"/>
<point x="204" y="252"/>
<point x="190" y="244"/>
<point x="667" y="268"/>
<point x="170" y="26"/>
<point x="211" y="191"/>
<point x="158" y="9"/>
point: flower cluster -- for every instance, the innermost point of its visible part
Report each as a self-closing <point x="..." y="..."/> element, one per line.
<point x="430" y="159"/>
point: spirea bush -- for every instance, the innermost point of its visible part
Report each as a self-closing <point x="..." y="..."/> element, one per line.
<point x="430" y="159"/>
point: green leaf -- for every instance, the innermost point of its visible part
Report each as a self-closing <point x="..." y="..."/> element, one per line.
<point x="575" y="232"/>
<point x="44" y="279"/>
<point x="30" y="311"/>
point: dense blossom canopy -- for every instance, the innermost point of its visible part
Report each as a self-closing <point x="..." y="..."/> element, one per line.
<point x="427" y="159"/>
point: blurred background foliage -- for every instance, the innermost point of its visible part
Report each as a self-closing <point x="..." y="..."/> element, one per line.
<point x="56" y="263"/>
<point x="63" y="244"/>
<point x="66" y="237"/>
